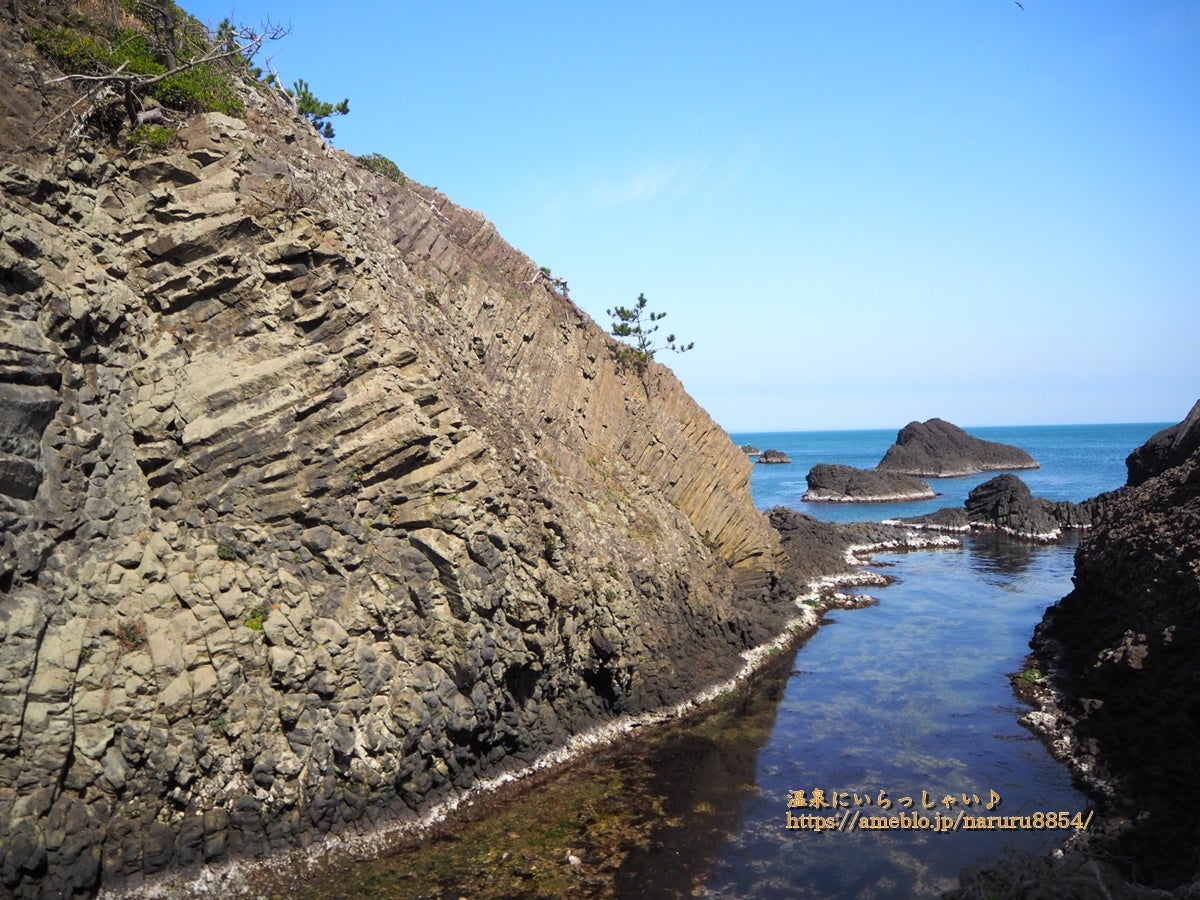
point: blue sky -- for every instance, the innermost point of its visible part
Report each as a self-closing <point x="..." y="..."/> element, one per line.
<point x="862" y="213"/>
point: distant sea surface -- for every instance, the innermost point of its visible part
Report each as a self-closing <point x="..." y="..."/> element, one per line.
<point x="1077" y="462"/>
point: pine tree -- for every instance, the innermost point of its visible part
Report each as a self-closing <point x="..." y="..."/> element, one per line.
<point x="639" y="325"/>
<point x="315" y="110"/>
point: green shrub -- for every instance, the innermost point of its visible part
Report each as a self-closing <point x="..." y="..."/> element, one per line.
<point x="226" y="552"/>
<point x="255" y="618"/>
<point x="131" y="635"/>
<point x="74" y="53"/>
<point x="202" y="89"/>
<point x="381" y="165"/>
<point x="152" y="137"/>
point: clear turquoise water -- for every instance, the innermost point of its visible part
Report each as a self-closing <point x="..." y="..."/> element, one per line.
<point x="911" y="695"/>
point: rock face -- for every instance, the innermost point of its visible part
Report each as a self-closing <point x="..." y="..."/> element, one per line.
<point x="315" y="507"/>
<point x="937" y="449"/>
<point x="1170" y="447"/>
<point x="846" y="484"/>
<point x="1123" y="650"/>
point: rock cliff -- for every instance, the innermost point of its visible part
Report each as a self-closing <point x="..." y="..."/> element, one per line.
<point x="938" y="449"/>
<point x="1122" y="652"/>
<point x="316" y="503"/>
<point x="1170" y="447"/>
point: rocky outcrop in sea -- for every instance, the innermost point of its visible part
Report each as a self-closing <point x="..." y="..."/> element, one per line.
<point x="773" y="457"/>
<point x="1006" y="504"/>
<point x="938" y="449"/>
<point x="830" y="483"/>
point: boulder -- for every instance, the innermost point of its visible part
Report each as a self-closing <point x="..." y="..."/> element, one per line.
<point x="829" y="483"/>
<point x="938" y="449"/>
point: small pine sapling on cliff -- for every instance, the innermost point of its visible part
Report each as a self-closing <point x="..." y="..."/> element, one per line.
<point x="315" y="110"/>
<point x="638" y="325"/>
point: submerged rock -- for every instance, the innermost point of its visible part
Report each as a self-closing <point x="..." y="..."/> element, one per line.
<point x="830" y="483"/>
<point x="938" y="449"/>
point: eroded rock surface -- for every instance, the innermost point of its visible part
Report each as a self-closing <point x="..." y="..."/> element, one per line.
<point x="315" y="504"/>
<point x="938" y="449"/>
<point x="1170" y="447"/>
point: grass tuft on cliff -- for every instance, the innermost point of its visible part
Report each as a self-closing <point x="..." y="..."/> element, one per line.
<point x="82" y="45"/>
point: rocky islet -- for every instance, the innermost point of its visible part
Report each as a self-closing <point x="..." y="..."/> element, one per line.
<point x="832" y="483"/>
<point x="938" y="449"/>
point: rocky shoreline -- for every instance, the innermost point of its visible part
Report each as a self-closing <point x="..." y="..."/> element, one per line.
<point x="1113" y="677"/>
<point x="844" y="550"/>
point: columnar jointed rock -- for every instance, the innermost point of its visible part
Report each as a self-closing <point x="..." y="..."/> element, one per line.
<point x="847" y="484"/>
<point x="314" y="507"/>
<point x="1123" y="650"/>
<point x="937" y="449"/>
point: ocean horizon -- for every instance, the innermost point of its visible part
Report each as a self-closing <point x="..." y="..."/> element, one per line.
<point x="1075" y="462"/>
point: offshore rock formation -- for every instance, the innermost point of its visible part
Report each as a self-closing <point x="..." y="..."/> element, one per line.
<point x="938" y="449"/>
<point x="831" y="483"/>
<point x="773" y="457"/>
<point x="316" y="506"/>
<point x="1123" y="654"/>
<point x="1006" y="504"/>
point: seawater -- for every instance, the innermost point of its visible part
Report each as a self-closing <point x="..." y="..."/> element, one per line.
<point x="911" y="697"/>
<point x="907" y="702"/>
<point x="1077" y="462"/>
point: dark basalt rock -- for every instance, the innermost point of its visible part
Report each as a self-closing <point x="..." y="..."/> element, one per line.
<point x="1006" y="504"/>
<point x="1123" y="650"/>
<point x="847" y="484"/>
<point x="948" y="518"/>
<point x="774" y="456"/>
<point x="1169" y="447"/>
<point x="938" y="449"/>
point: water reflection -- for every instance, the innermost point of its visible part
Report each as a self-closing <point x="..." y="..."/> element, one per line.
<point x="996" y="553"/>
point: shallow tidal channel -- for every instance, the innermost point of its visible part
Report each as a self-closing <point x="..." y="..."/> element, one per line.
<point x="910" y="697"/>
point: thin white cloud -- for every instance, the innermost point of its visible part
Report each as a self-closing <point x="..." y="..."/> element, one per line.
<point x="673" y="180"/>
